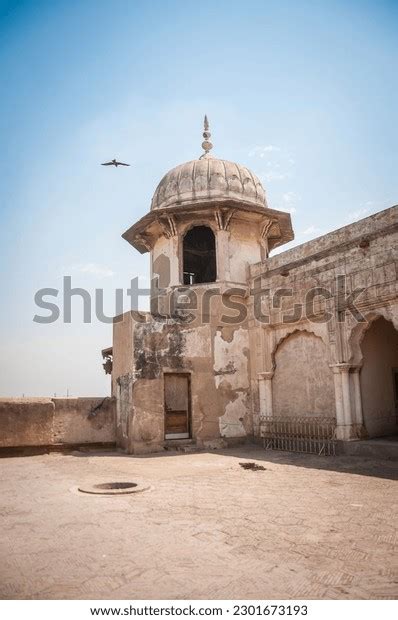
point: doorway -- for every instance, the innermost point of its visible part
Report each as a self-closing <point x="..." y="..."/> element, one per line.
<point x="379" y="380"/>
<point x="177" y="405"/>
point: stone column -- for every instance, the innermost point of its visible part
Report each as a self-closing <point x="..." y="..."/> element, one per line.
<point x="357" y="395"/>
<point x="345" y="384"/>
<point x="174" y="262"/>
<point x="346" y="417"/>
<point x="265" y="393"/>
<point x="223" y="267"/>
<point x="338" y="396"/>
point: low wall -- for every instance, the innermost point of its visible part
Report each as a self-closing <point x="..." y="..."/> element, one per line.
<point x="33" y="422"/>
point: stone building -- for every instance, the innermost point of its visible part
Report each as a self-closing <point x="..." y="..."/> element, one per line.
<point x="235" y="336"/>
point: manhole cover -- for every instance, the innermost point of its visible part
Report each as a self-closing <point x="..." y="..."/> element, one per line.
<point x="113" y="488"/>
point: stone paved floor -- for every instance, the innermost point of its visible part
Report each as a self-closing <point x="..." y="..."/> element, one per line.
<point x="307" y="527"/>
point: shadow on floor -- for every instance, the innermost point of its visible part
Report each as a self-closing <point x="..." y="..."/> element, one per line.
<point x="363" y="466"/>
<point x="347" y="463"/>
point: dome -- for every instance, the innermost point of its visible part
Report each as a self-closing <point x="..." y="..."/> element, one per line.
<point x="211" y="187"/>
<point x="208" y="180"/>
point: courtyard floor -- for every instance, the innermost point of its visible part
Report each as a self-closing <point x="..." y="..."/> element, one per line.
<point x="306" y="527"/>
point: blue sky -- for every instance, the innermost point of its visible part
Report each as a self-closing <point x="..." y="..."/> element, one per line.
<point x="303" y="92"/>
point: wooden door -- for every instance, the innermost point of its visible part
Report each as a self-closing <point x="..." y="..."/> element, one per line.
<point x="176" y="405"/>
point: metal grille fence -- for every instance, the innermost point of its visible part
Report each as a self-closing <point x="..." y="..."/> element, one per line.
<point x="299" y="434"/>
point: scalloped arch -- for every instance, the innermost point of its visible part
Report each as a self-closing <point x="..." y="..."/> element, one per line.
<point x="298" y="329"/>
<point x="358" y="332"/>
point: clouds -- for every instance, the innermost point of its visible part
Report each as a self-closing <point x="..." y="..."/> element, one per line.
<point x="261" y="151"/>
<point x="367" y="208"/>
<point x="358" y="214"/>
<point x="363" y="211"/>
<point x="273" y="175"/>
<point x="94" y="269"/>
<point x="277" y="167"/>
<point x="289" y="201"/>
<point x="274" y="164"/>
<point x="310" y="230"/>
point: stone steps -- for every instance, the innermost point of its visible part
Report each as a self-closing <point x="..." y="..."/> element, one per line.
<point x="181" y="445"/>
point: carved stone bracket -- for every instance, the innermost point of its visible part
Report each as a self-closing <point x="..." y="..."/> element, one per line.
<point x="223" y="218"/>
<point x="143" y="240"/>
<point x="266" y="227"/>
<point x="169" y="226"/>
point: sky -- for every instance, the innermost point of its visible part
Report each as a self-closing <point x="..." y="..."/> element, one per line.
<point x="303" y="92"/>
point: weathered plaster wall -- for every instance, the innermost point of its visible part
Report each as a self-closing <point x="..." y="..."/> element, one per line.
<point x="147" y="416"/>
<point x="169" y="346"/>
<point x="244" y="250"/>
<point x="357" y="262"/>
<point x="122" y="363"/>
<point x="162" y="259"/>
<point x="380" y="356"/>
<point x="84" y="420"/>
<point x="124" y="403"/>
<point x="217" y="360"/>
<point x="303" y="381"/>
<point x="157" y="344"/>
<point x="379" y="224"/>
<point x="52" y="421"/>
<point x="231" y="368"/>
<point x="122" y="370"/>
<point x="26" y="422"/>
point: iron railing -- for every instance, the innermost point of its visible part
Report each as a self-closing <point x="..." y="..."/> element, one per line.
<point x="313" y="435"/>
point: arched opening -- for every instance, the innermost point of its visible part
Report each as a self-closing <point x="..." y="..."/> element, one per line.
<point x="379" y="379"/>
<point x="199" y="256"/>
<point x="303" y="382"/>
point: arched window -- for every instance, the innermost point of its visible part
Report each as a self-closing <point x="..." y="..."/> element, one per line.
<point x="199" y="256"/>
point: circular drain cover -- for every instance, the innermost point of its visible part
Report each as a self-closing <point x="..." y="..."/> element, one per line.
<point x="113" y="488"/>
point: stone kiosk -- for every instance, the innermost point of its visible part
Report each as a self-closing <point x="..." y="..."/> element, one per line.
<point x="235" y="335"/>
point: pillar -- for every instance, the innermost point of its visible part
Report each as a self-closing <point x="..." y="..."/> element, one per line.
<point x="338" y="391"/>
<point x="357" y="395"/>
<point x="345" y="384"/>
<point x="223" y="267"/>
<point x="265" y="393"/>
<point x="174" y="262"/>
<point x="347" y="391"/>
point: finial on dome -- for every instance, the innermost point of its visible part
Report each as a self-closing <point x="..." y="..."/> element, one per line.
<point x="206" y="144"/>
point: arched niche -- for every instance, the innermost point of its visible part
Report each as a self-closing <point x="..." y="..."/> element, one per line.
<point x="302" y="384"/>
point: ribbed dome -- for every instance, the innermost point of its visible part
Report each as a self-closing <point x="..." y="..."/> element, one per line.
<point x="208" y="180"/>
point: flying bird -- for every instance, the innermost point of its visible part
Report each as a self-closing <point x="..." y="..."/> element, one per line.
<point x="114" y="163"/>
